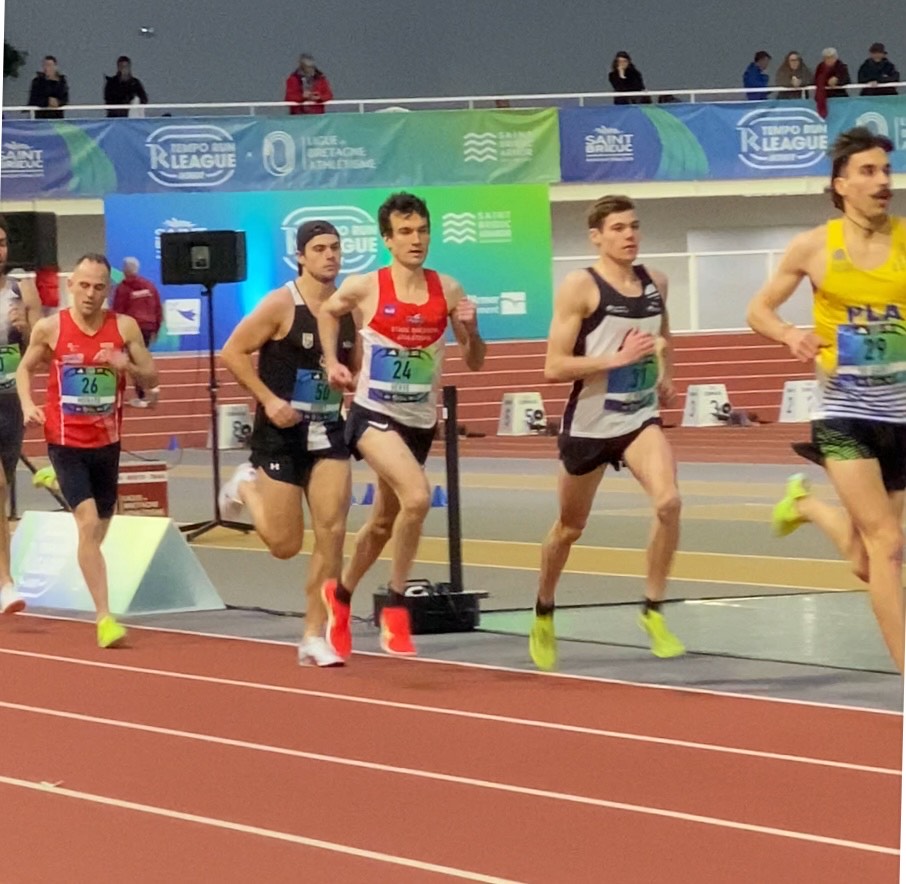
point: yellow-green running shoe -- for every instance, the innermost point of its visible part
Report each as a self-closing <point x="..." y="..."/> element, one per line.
<point x="46" y="477"/>
<point x="786" y="519"/>
<point x="543" y="642"/>
<point x="110" y="633"/>
<point x="663" y="642"/>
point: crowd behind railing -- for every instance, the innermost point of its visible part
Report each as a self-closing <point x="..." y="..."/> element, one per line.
<point x="307" y="90"/>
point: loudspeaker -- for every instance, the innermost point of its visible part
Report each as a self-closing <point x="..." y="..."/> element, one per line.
<point x="202" y="257"/>
<point x="32" y="240"/>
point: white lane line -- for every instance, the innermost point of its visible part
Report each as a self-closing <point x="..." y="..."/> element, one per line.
<point x="490" y="667"/>
<point x="489" y="785"/>
<point x="462" y="713"/>
<point x="212" y="822"/>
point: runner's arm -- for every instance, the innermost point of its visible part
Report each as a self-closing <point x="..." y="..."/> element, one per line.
<point x="140" y="366"/>
<point x="37" y="356"/>
<point x="252" y="333"/>
<point x="464" y="321"/>
<point x="33" y="308"/>
<point x="346" y="299"/>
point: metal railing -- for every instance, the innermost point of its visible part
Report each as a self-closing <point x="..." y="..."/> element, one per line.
<point x="466" y="102"/>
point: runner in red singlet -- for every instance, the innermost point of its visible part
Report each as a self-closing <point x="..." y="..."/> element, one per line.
<point x="402" y="312"/>
<point x="89" y="351"/>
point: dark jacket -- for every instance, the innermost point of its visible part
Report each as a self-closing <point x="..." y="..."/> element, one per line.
<point x="632" y="82"/>
<point x="822" y="92"/>
<point x="878" y="72"/>
<point x="318" y="84"/>
<point x="755" y="78"/>
<point x="42" y="90"/>
<point x="119" y="91"/>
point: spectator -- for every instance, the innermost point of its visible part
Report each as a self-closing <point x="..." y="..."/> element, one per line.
<point x="624" y="76"/>
<point x="122" y="88"/>
<point x="755" y="76"/>
<point x="830" y="75"/>
<point x="138" y="297"/>
<point x="878" y="69"/>
<point x="307" y="87"/>
<point x="49" y="91"/>
<point x="793" y="74"/>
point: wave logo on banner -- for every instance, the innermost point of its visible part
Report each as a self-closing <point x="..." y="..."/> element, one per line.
<point x="782" y="138"/>
<point x="460" y="227"/>
<point x="278" y="154"/>
<point x="191" y="156"/>
<point x="173" y="225"/>
<point x="479" y="147"/>
<point x="359" y="235"/>
<point x="21" y="160"/>
<point x="609" y="145"/>
<point x="477" y="227"/>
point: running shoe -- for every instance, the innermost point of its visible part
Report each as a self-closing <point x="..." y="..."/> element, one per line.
<point x="543" y="642"/>
<point x="339" y="636"/>
<point x="110" y="633"/>
<point x="230" y="504"/>
<point x="46" y="477"/>
<point x="10" y="600"/>
<point x="314" y="651"/>
<point x="786" y="519"/>
<point x="663" y="642"/>
<point x="396" y="631"/>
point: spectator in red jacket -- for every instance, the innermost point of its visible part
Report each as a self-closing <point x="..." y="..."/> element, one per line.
<point x="307" y="87"/>
<point x="138" y="297"/>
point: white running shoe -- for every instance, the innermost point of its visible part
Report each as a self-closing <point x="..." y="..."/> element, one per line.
<point x="10" y="600"/>
<point x="315" y="651"/>
<point x="230" y="505"/>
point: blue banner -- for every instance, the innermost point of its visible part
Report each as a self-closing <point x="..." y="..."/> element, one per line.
<point x="495" y="240"/>
<point x="885" y="115"/>
<point x="58" y="158"/>
<point x="692" y="142"/>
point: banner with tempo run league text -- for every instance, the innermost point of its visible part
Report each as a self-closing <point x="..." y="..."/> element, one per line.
<point x="58" y="158"/>
<point x="495" y="240"/>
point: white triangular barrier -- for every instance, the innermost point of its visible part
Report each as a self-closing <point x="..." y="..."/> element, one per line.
<point x="798" y="401"/>
<point x="151" y="569"/>
<point x="705" y="404"/>
<point x="521" y="414"/>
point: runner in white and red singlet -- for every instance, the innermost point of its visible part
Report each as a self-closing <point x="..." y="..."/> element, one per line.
<point x="89" y="351"/>
<point x="402" y="312"/>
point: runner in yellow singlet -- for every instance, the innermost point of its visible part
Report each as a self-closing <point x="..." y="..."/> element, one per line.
<point x="857" y="267"/>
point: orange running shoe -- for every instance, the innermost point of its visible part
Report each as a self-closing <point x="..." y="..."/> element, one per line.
<point x="396" y="633"/>
<point x="338" y="635"/>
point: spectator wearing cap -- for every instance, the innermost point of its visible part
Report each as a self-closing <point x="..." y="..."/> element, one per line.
<point x="755" y="76"/>
<point x="307" y="87"/>
<point x="122" y="88"/>
<point x="877" y="70"/>
<point x="624" y="76"/>
<point x="794" y="75"/>
<point x="830" y="76"/>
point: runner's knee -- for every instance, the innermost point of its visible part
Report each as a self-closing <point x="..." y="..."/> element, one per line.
<point x="285" y="547"/>
<point x="415" y="503"/>
<point x="667" y="505"/>
<point x="569" y="532"/>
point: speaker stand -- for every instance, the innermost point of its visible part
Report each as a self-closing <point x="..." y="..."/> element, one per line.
<point x="197" y="529"/>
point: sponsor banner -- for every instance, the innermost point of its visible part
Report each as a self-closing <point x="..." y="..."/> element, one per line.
<point x="57" y="158"/>
<point x="885" y="115"/>
<point x="690" y="142"/>
<point x="496" y="240"/>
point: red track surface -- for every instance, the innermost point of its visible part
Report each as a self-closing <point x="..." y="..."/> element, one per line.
<point x="420" y="761"/>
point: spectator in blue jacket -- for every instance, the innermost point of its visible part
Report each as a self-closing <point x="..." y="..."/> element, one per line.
<point x="755" y="76"/>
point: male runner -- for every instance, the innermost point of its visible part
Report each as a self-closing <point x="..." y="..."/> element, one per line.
<point x="89" y="351"/>
<point x="610" y="336"/>
<point x="20" y="309"/>
<point x="297" y="441"/>
<point x="402" y="311"/>
<point x="857" y="268"/>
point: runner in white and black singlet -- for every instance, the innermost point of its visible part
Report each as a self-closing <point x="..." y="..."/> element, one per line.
<point x="297" y="441"/>
<point x="610" y="336"/>
<point x="403" y="311"/>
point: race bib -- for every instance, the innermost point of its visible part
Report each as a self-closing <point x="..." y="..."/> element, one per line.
<point x="401" y="375"/>
<point x="314" y="398"/>
<point x="871" y="349"/>
<point x="88" y="389"/>
<point x="636" y="378"/>
<point x="10" y="357"/>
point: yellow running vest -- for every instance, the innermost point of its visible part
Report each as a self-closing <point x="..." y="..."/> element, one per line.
<point x="861" y="316"/>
